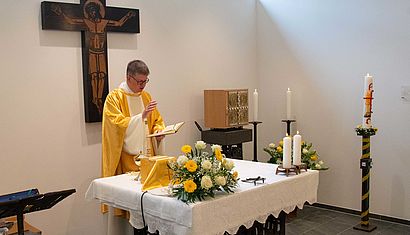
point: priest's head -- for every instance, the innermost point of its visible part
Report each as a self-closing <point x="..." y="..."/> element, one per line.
<point x="137" y="75"/>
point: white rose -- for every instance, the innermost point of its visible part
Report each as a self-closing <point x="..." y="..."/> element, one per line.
<point x="305" y="151"/>
<point x="272" y="145"/>
<point x="206" y="165"/>
<point x="216" y="146"/>
<point x="220" y="180"/>
<point x="321" y="162"/>
<point x="200" y="145"/>
<point x="182" y="160"/>
<point x="229" y="165"/>
<point x="206" y="182"/>
<point x="318" y="166"/>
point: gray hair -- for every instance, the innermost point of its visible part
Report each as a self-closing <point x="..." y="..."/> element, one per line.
<point x="137" y="67"/>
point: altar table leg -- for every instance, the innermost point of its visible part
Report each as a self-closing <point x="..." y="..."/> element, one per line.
<point x="138" y="231"/>
<point x="282" y="219"/>
<point x="144" y="231"/>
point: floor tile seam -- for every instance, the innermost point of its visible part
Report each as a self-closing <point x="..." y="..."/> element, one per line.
<point x="390" y="223"/>
<point x="345" y="230"/>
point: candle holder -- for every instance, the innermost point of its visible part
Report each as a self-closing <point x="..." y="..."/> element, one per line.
<point x="287" y="171"/>
<point x="288" y="122"/>
<point x="301" y="167"/>
<point x="365" y="165"/>
<point x="255" y="140"/>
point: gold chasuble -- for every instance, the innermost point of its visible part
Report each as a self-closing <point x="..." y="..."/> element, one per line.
<point x="116" y="119"/>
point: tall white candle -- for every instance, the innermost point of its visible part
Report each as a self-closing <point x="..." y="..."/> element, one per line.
<point x="288" y="104"/>
<point x="255" y="105"/>
<point x="297" y="146"/>
<point x="287" y="142"/>
<point x="367" y="101"/>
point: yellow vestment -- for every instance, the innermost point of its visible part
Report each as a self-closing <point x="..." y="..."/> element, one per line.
<point x="116" y="117"/>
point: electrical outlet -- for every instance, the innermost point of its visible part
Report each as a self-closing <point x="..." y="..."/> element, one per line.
<point x="405" y="93"/>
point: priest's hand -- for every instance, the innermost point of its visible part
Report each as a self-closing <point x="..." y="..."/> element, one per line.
<point x="150" y="107"/>
<point x="159" y="138"/>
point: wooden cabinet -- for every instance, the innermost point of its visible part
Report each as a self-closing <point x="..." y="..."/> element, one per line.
<point x="226" y="108"/>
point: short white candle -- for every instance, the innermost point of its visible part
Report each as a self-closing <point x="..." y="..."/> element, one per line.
<point x="287" y="142"/>
<point x="297" y="146"/>
<point x="255" y="105"/>
<point x="288" y="104"/>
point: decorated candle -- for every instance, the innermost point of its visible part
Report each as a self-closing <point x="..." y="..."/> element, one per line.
<point x="288" y="104"/>
<point x="368" y="101"/>
<point x="297" y="146"/>
<point x="255" y="105"/>
<point x="287" y="142"/>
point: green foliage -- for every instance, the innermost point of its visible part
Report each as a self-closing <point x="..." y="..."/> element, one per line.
<point x="198" y="174"/>
<point x="363" y="131"/>
<point x="309" y="155"/>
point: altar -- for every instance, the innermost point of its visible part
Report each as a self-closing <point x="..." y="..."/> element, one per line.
<point x="224" y="213"/>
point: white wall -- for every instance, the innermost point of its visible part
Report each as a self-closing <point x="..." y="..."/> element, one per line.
<point x="189" y="46"/>
<point x="322" y="50"/>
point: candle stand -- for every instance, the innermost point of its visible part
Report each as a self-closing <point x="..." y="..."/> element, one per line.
<point x="255" y="140"/>
<point x="288" y="122"/>
<point x="301" y="167"/>
<point x="281" y="169"/>
<point x="365" y="165"/>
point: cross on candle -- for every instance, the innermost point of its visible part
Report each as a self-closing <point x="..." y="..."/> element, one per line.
<point x="368" y="100"/>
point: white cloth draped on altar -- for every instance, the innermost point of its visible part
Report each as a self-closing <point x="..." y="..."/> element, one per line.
<point x="225" y="212"/>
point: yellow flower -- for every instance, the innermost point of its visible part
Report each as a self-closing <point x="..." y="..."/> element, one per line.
<point x="313" y="158"/>
<point x="279" y="149"/>
<point x="218" y="154"/>
<point x="235" y="175"/>
<point x="191" y="165"/>
<point x="189" y="186"/>
<point x="186" y="149"/>
<point x="281" y="143"/>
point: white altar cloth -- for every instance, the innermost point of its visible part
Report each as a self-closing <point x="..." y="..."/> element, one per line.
<point x="225" y="212"/>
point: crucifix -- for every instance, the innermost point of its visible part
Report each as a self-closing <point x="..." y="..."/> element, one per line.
<point x="94" y="20"/>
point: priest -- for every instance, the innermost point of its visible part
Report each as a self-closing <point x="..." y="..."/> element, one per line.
<point x="129" y="115"/>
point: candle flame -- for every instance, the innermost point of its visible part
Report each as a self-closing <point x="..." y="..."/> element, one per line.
<point x="297" y="132"/>
<point x="287" y="134"/>
<point x="288" y="89"/>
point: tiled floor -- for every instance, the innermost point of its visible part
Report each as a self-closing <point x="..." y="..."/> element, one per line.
<point x="317" y="221"/>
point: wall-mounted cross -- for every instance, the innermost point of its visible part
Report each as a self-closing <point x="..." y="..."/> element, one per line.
<point x="94" y="20"/>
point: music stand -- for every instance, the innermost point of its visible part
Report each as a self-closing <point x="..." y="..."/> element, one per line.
<point x="29" y="201"/>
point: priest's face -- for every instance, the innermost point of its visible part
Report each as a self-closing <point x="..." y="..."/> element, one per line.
<point x="137" y="82"/>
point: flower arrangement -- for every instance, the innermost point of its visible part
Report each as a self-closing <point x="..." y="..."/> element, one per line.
<point x="365" y="131"/>
<point x="198" y="174"/>
<point x="309" y="155"/>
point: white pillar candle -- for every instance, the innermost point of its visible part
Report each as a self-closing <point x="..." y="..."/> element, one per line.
<point x="287" y="142"/>
<point x="297" y="146"/>
<point x="255" y="105"/>
<point x="288" y="104"/>
<point x="367" y="101"/>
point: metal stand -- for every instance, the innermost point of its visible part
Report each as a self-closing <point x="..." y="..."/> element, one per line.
<point x="28" y="201"/>
<point x="288" y="122"/>
<point x="365" y="165"/>
<point x="231" y="139"/>
<point x="255" y="140"/>
<point x="301" y="167"/>
<point x="287" y="171"/>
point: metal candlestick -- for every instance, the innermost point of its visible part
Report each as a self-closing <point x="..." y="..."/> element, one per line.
<point x="288" y="122"/>
<point x="255" y="140"/>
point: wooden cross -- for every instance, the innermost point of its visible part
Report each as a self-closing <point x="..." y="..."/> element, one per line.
<point x="94" y="20"/>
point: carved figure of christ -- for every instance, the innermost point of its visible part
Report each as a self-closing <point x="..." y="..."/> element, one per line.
<point x="94" y="20"/>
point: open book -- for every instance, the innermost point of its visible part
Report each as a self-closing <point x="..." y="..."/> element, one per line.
<point x="171" y="129"/>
